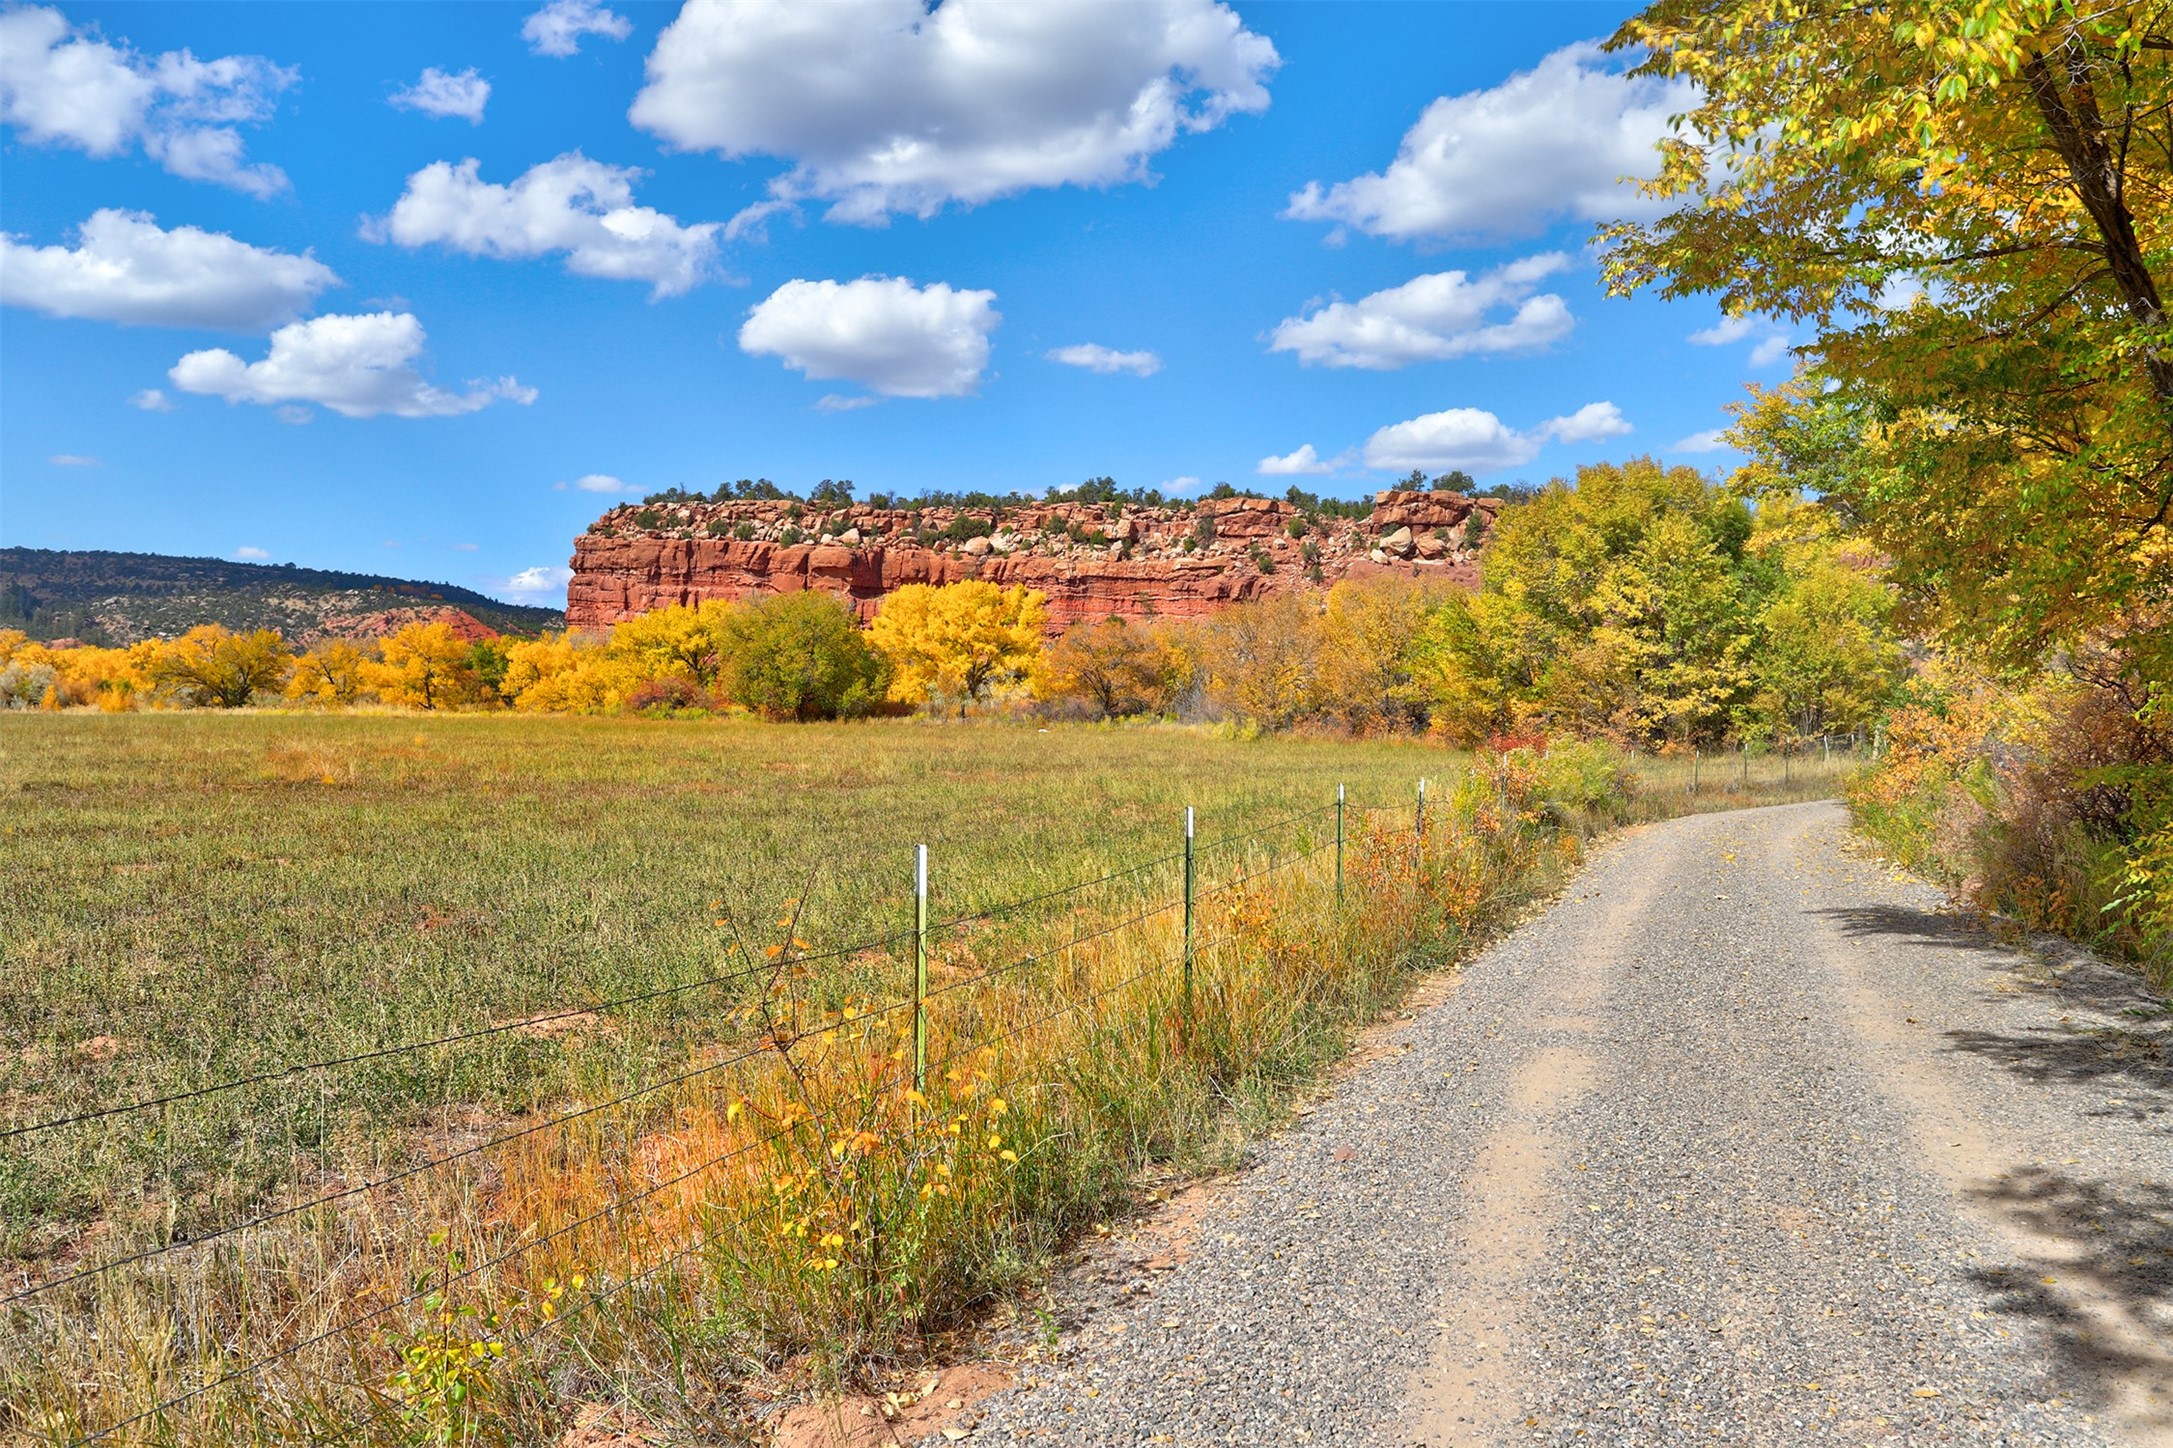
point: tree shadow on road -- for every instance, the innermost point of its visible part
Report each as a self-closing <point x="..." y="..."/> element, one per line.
<point x="2112" y="1032"/>
<point x="2135" y="1062"/>
<point x="1914" y="926"/>
<point x="2101" y="1297"/>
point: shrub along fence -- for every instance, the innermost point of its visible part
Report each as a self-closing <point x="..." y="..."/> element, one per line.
<point x="894" y="1132"/>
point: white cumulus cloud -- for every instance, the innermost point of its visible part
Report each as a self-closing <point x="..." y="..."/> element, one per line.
<point x="73" y="460"/>
<point x="557" y="28"/>
<point x="251" y="555"/>
<point x="1434" y="317"/>
<point x="358" y="366"/>
<point x="1724" y="331"/>
<point x="1713" y="439"/>
<point x="1773" y="341"/>
<point x="1551" y="143"/>
<point x="125" y="268"/>
<point x="1097" y="358"/>
<point x="1593" y="422"/>
<point x="599" y="483"/>
<point x="570" y="204"/>
<point x="63" y="86"/>
<point x="439" y="94"/>
<point x="151" y="399"/>
<point x="541" y="584"/>
<point x="1476" y="440"/>
<point x="1303" y="463"/>
<point x="1773" y="349"/>
<point x="882" y="332"/>
<point x="885" y="106"/>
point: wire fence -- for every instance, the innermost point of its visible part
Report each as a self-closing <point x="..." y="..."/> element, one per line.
<point x="53" y="1301"/>
<point x="57" y="1303"/>
<point x="1808" y="765"/>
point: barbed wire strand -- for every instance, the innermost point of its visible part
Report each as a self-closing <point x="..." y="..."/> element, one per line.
<point x="379" y="1053"/>
<point x="618" y="1204"/>
<point x="640" y="998"/>
<point x="709" y="1237"/>
<point x="481" y="1148"/>
<point x="420" y="1168"/>
<point x="1055" y="950"/>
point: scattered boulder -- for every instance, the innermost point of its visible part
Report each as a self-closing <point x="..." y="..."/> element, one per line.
<point x="1397" y="543"/>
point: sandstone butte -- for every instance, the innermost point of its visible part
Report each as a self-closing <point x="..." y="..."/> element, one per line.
<point x="1091" y="560"/>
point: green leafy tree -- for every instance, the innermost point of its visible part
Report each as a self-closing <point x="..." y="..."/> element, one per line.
<point x="800" y="656"/>
<point x="1648" y="604"/>
<point x="1969" y="205"/>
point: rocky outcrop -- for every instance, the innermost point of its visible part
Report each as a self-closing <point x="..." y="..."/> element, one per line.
<point x="1091" y="561"/>
<point x="384" y="623"/>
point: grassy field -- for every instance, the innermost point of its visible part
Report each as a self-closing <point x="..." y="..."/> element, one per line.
<point x="199" y="899"/>
<point x="205" y="897"/>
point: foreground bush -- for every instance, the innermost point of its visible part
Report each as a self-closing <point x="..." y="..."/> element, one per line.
<point x="2051" y="804"/>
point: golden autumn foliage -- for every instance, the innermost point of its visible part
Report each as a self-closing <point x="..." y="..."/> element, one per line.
<point x="422" y="666"/>
<point x="958" y="643"/>
<point x="1109" y="669"/>
<point x="1641" y="605"/>
<point x="331" y="673"/>
<point x="212" y="666"/>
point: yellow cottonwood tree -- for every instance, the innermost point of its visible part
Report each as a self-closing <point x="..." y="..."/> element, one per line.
<point x="213" y="666"/>
<point x="959" y="641"/>
<point x="330" y="673"/>
<point x="423" y="666"/>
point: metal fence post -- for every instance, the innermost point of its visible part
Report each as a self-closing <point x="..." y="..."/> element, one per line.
<point x="1418" y="820"/>
<point x="1695" y="756"/>
<point x="920" y="968"/>
<point x="1188" y="915"/>
<point x="1743" y="779"/>
<point x="1339" y="846"/>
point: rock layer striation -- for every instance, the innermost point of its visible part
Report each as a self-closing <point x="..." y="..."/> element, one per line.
<point x="1090" y="560"/>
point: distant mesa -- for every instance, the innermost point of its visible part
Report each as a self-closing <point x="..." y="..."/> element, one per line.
<point x="119" y="598"/>
<point x="1091" y="559"/>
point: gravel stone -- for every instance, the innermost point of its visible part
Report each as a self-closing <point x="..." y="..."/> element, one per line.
<point x="1748" y="1139"/>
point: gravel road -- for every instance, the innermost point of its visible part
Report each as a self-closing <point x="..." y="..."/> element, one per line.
<point x="1743" y="1141"/>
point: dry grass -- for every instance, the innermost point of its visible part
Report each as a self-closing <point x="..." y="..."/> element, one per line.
<point x="667" y="1201"/>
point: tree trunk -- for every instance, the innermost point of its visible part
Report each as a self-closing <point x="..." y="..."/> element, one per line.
<point x="2078" y="134"/>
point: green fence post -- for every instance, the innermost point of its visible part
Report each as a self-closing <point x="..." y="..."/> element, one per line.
<point x="1188" y="915"/>
<point x="1339" y="846"/>
<point x="920" y="968"/>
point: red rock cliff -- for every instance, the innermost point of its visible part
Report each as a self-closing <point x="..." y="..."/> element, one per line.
<point x="1090" y="560"/>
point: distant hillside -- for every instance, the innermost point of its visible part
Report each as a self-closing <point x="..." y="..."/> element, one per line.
<point x="118" y="598"/>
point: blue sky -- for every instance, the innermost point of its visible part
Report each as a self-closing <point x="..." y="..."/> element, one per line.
<point x="257" y="303"/>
